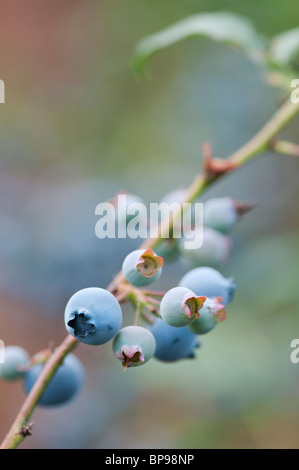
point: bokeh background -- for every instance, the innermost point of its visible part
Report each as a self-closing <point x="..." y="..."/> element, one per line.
<point x="77" y="126"/>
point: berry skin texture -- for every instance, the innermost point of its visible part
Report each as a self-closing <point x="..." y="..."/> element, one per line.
<point x="221" y="214"/>
<point x="134" y="346"/>
<point x="215" y="250"/>
<point x="65" y="384"/>
<point x="210" y="282"/>
<point x="212" y="313"/>
<point x="142" y="267"/>
<point x="93" y="316"/>
<point x="173" y="343"/>
<point x="180" y="306"/>
<point x="15" y="358"/>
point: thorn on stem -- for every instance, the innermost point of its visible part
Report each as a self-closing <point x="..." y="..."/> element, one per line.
<point x="215" y="167"/>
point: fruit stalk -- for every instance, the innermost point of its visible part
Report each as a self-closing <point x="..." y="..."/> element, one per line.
<point x="16" y="433"/>
<point x="213" y="170"/>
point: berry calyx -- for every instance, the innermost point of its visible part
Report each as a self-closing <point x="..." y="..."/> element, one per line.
<point x="212" y="313"/>
<point x="149" y="263"/>
<point x="142" y="267"/>
<point x="180" y="306"/>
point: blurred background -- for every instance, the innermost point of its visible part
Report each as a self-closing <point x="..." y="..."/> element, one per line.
<point x="77" y="127"/>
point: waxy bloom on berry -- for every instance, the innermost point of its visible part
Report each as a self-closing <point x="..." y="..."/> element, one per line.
<point x="173" y="343"/>
<point x="210" y="282"/>
<point x="214" y="251"/>
<point x="222" y="213"/>
<point x="134" y="346"/>
<point x="93" y="316"/>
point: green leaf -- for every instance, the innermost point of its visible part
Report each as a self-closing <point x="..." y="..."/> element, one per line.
<point x="285" y="46"/>
<point x="224" y="27"/>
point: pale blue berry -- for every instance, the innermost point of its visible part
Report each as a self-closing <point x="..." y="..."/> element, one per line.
<point x="210" y="282"/>
<point x="173" y="343"/>
<point x="15" y="360"/>
<point x="93" y="316"/>
<point x="214" y="251"/>
<point x="134" y="346"/>
<point x="223" y="213"/>
<point x="180" y="306"/>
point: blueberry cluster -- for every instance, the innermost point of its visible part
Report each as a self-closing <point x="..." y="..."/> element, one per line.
<point x="192" y="308"/>
<point x="172" y="320"/>
<point x="220" y="216"/>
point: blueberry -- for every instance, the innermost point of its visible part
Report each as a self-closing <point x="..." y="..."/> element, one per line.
<point x="65" y="384"/>
<point x="211" y="313"/>
<point x="180" y="306"/>
<point x="215" y="249"/>
<point x="220" y="214"/>
<point x="127" y="201"/>
<point x="210" y="282"/>
<point x="142" y="267"/>
<point x="173" y="343"/>
<point x="223" y="213"/>
<point x="15" y="358"/>
<point x="134" y="346"/>
<point x="93" y="316"/>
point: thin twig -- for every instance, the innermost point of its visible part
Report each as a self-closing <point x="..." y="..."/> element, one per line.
<point x="285" y="147"/>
